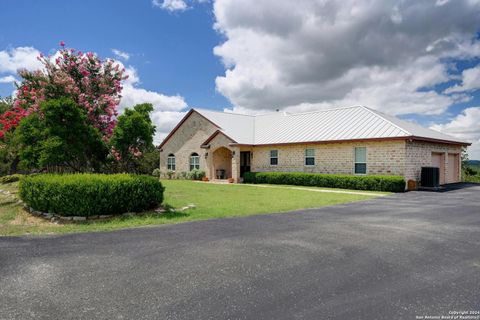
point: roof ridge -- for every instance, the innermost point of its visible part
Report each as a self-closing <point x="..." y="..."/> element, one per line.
<point x="223" y="112"/>
<point x="380" y="114"/>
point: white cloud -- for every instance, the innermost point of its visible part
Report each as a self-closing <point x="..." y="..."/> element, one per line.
<point x="465" y="126"/>
<point x="384" y="54"/>
<point x="470" y="81"/>
<point x="7" y="79"/>
<point x="167" y="110"/>
<point x="121" y="54"/>
<point x="171" y="5"/>
<point x="19" y="58"/>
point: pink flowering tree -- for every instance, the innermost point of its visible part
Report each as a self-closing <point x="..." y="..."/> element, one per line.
<point x="91" y="83"/>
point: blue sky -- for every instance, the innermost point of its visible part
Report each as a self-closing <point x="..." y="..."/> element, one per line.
<point x="172" y="53"/>
<point x="416" y="60"/>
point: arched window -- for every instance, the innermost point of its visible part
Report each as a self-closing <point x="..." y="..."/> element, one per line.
<point x="171" y="162"/>
<point x="194" y="161"/>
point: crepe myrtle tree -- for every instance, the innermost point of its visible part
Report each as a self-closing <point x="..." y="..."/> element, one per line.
<point x="132" y="138"/>
<point x="93" y="84"/>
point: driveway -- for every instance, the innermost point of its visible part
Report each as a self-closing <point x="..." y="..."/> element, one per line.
<point x="395" y="257"/>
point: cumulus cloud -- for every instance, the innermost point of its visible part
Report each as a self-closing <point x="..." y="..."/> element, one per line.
<point x="171" y="5"/>
<point x="465" y="126"/>
<point x="470" y="81"/>
<point x="121" y="54"/>
<point x="7" y="79"/>
<point x="19" y="58"/>
<point x="388" y="55"/>
<point x="167" y="110"/>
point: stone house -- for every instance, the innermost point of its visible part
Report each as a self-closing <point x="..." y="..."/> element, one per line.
<point x="354" y="140"/>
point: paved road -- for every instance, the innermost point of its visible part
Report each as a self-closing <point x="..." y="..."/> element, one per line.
<point x="390" y="258"/>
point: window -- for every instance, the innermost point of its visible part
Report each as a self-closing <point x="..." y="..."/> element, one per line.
<point x="194" y="161"/>
<point x="360" y="160"/>
<point x="273" y="157"/>
<point x="309" y="157"/>
<point x="171" y="162"/>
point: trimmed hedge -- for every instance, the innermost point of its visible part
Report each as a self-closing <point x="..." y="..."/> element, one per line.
<point x="374" y="183"/>
<point x="90" y="194"/>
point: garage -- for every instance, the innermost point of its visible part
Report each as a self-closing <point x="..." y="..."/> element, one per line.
<point x="438" y="160"/>
<point x="453" y="172"/>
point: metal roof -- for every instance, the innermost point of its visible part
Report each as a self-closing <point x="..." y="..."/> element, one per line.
<point x="351" y="123"/>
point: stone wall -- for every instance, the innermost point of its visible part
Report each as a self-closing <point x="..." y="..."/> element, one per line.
<point x="419" y="154"/>
<point x="186" y="140"/>
<point x="383" y="157"/>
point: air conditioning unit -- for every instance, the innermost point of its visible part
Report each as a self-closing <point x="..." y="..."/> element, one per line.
<point x="430" y="177"/>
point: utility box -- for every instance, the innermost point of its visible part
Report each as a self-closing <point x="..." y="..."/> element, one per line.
<point x="430" y="177"/>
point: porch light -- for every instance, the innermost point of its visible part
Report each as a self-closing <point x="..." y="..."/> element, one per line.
<point x="206" y="155"/>
<point x="233" y="154"/>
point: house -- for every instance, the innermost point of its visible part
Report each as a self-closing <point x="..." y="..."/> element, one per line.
<point x="354" y="140"/>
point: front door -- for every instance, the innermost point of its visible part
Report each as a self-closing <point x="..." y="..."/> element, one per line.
<point x="244" y="162"/>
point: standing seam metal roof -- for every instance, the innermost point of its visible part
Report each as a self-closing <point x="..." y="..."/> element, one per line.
<point x="351" y="123"/>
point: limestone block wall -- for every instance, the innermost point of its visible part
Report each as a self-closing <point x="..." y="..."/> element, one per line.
<point x="383" y="157"/>
<point x="419" y="154"/>
<point x="186" y="140"/>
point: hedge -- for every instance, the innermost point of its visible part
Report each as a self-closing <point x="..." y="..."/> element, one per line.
<point x="374" y="183"/>
<point x="90" y="194"/>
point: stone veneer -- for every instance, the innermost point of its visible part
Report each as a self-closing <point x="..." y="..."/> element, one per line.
<point x="419" y="154"/>
<point x="383" y="157"/>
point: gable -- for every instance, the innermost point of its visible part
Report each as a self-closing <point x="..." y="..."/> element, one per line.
<point x="190" y="132"/>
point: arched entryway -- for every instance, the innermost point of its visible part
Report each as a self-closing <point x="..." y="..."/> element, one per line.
<point x="222" y="163"/>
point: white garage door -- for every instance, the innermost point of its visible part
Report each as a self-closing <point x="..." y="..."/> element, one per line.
<point x="453" y="168"/>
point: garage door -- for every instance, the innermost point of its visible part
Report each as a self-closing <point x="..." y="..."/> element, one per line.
<point x="453" y="168"/>
<point x="438" y="160"/>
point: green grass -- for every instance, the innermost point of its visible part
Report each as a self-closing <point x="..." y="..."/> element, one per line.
<point x="211" y="201"/>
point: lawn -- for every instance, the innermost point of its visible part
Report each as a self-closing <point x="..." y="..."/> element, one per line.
<point x="210" y="200"/>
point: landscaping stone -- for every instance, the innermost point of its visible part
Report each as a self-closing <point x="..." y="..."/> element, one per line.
<point x="79" y="218"/>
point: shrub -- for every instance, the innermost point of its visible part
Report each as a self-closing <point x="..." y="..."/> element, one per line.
<point x="196" y="174"/>
<point x="10" y="178"/>
<point x="374" y="183"/>
<point x="156" y="173"/>
<point x="91" y="194"/>
<point x="170" y="174"/>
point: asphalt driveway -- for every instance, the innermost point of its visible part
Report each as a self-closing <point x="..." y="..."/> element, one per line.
<point x="394" y="257"/>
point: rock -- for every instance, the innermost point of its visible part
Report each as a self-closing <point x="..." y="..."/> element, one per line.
<point x="93" y="217"/>
<point x="104" y="216"/>
<point x="79" y="218"/>
<point x="65" y="218"/>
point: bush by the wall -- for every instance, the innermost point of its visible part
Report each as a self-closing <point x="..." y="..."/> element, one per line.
<point x="157" y="173"/>
<point x="374" y="183"/>
<point x="10" y="178"/>
<point x="91" y="194"/>
<point x="196" y="174"/>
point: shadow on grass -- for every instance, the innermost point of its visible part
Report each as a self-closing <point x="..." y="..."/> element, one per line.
<point x="170" y="214"/>
<point x="8" y="203"/>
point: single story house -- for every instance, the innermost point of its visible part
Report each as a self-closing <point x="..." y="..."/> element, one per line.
<point x="354" y="140"/>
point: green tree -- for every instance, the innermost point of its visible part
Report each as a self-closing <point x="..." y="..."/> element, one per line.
<point x="8" y="150"/>
<point x="133" y="137"/>
<point x="60" y="135"/>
